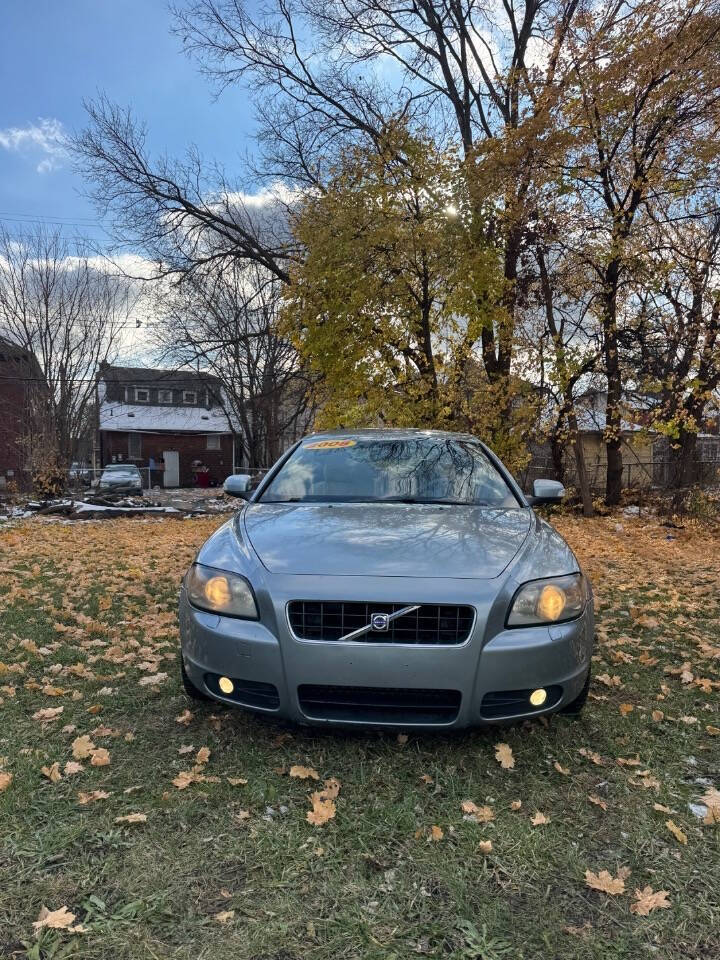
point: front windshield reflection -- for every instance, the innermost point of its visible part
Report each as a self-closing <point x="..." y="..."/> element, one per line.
<point x="406" y="470"/>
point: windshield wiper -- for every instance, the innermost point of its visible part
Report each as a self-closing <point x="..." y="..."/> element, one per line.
<point x="436" y="500"/>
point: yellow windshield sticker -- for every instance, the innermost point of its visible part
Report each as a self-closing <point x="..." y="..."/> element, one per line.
<point x="329" y="444"/>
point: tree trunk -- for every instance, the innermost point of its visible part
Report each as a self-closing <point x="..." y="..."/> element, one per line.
<point x="613" y="419"/>
<point x="582" y="476"/>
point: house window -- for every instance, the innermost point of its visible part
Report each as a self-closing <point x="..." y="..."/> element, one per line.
<point x="141" y="396"/>
<point x="213" y="441"/>
<point x="165" y="396"/>
<point x="189" y="396"/>
<point x="134" y="446"/>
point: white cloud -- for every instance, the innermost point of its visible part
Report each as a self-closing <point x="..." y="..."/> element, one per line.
<point x="46" y="137"/>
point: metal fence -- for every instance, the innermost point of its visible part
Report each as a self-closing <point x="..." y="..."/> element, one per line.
<point x="637" y="474"/>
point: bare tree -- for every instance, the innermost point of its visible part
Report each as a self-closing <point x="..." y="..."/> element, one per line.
<point x="223" y="320"/>
<point x="67" y="310"/>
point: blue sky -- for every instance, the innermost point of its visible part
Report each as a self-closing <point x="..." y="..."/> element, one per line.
<point x="54" y="54"/>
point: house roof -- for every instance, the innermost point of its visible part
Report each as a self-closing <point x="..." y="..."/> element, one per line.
<point x="11" y="355"/>
<point x="140" y="418"/>
<point x="154" y="377"/>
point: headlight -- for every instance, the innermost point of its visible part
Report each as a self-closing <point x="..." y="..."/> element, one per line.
<point x="220" y="592"/>
<point x="548" y="601"/>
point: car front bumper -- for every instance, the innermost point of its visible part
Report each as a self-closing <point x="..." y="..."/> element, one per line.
<point x="277" y="674"/>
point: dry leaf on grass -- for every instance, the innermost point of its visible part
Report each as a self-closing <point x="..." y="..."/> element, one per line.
<point x="539" y="819"/>
<point x="478" y="814"/>
<point x="236" y="781"/>
<point x="323" y="803"/>
<point x="647" y="900"/>
<point x="516" y="805"/>
<point x="605" y="882"/>
<point x="82" y="747"/>
<point x="203" y="755"/>
<point x="485" y="846"/>
<point x="661" y="808"/>
<point x="85" y="798"/>
<point x="591" y="755"/>
<point x="184" y="718"/>
<point x="402" y="739"/>
<point x="676" y="832"/>
<point x="626" y="708"/>
<point x="224" y="916"/>
<point x="304" y="773"/>
<point x="504" y="756"/>
<point x="597" y="801"/>
<point x="132" y="818"/>
<point x="436" y="834"/>
<point x="60" y="919"/>
<point x="71" y="767"/>
<point x="100" y="757"/>
<point x="711" y="799"/>
<point x="52" y="772"/>
<point x="49" y="713"/>
<point x="561" y="769"/>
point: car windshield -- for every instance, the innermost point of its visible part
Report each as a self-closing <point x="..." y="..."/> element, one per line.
<point x="423" y="469"/>
<point x="122" y="470"/>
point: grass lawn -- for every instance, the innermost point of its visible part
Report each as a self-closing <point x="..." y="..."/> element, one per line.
<point x="214" y="869"/>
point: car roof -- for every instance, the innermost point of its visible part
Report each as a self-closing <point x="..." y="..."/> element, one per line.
<point x="389" y="433"/>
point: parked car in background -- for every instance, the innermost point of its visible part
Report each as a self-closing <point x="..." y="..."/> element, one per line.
<point x="120" y="478"/>
<point x="388" y="578"/>
<point x="80" y="473"/>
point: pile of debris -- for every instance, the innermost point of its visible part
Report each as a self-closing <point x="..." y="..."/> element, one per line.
<point x="100" y="507"/>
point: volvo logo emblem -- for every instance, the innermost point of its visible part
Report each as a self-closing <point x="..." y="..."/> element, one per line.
<point x="380" y="621"/>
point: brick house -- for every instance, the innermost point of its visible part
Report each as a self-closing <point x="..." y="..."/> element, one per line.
<point x="174" y="418"/>
<point x="21" y="380"/>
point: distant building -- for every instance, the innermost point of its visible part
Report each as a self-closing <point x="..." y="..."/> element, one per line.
<point x="21" y="381"/>
<point x="172" y="420"/>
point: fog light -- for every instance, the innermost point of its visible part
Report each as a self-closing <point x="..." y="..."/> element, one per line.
<point x="537" y="697"/>
<point x="227" y="686"/>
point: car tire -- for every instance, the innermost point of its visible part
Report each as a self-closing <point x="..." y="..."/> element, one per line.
<point x="190" y="689"/>
<point x="574" y="708"/>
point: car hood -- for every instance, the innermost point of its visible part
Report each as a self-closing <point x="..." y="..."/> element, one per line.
<point x="390" y="540"/>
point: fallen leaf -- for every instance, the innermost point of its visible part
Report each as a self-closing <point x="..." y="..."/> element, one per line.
<point x="224" y="916"/>
<point x="52" y="773"/>
<point x="59" y="919"/>
<point x="646" y="900"/>
<point x="426" y="778"/>
<point x="657" y="715"/>
<point x="485" y="846"/>
<point x="184" y="718"/>
<point x="626" y="708"/>
<point x="560" y="769"/>
<point x="236" y="781"/>
<point x="628" y="762"/>
<point x="676" y="832"/>
<point x="591" y="755"/>
<point x="132" y="818"/>
<point x="539" y="819"/>
<point x="402" y="739"/>
<point x="100" y="757"/>
<point x="479" y="814"/>
<point x="713" y="731"/>
<point x="304" y="773"/>
<point x="504" y="756"/>
<point x="516" y="805"/>
<point x="48" y="713"/>
<point x="597" y="801"/>
<point x="85" y="798"/>
<point x="203" y="755"/>
<point x="436" y="834"/>
<point x="82" y="747"/>
<point x="323" y="803"/>
<point x="605" y="882"/>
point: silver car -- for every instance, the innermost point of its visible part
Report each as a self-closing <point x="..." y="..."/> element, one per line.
<point x="395" y="578"/>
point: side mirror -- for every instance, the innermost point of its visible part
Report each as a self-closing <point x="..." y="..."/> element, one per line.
<point x="546" y="491"/>
<point x="238" y="485"/>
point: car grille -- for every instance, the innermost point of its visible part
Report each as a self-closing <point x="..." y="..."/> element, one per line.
<point x="442" y="625"/>
<point x="378" y="704"/>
